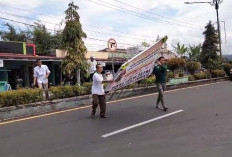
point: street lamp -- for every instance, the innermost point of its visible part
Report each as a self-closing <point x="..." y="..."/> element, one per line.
<point x="216" y="4"/>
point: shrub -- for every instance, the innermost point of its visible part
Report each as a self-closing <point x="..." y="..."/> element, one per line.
<point x="200" y="76"/>
<point x="131" y="86"/>
<point x="218" y="73"/>
<point x="88" y="86"/>
<point x="181" y="74"/>
<point x="61" y="92"/>
<point x="191" y="78"/>
<point x="148" y="81"/>
<point x="227" y="67"/>
<point x="176" y="63"/>
<point x="193" y="66"/>
<point x="20" y="97"/>
<point x="67" y="91"/>
<point x="79" y="90"/>
<point x="170" y="74"/>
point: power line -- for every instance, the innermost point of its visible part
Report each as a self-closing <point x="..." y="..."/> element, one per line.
<point x="103" y="28"/>
<point x="20" y="16"/>
<point x="115" y="35"/>
<point x="28" y="11"/>
<point x="84" y="29"/>
<point x="155" y="13"/>
<point x="136" y="14"/>
<point x="59" y="31"/>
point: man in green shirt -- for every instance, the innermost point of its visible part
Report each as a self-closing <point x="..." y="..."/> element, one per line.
<point x="160" y="71"/>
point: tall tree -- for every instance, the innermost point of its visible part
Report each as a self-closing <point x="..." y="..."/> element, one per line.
<point x="72" y="40"/>
<point x="13" y="35"/>
<point x="181" y="49"/>
<point x="194" y="52"/>
<point x="44" y="40"/>
<point x="209" y="55"/>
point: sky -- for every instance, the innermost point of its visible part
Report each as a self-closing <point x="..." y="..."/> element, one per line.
<point x="129" y="22"/>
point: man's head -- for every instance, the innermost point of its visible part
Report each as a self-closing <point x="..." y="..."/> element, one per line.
<point x="161" y="60"/>
<point x="99" y="68"/>
<point x="39" y="62"/>
<point x="92" y="58"/>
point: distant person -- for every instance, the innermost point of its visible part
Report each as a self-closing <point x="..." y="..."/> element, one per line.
<point x="92" y="67"/>
<point x="160" y="71"/>
<point x="41" y="74"/>
<point x="98" y="93"/>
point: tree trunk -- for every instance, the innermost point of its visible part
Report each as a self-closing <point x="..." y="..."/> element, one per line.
<point x="78" y="73"/>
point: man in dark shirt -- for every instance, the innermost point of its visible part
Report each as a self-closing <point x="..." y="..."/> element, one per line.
<point x="160" y="71"/>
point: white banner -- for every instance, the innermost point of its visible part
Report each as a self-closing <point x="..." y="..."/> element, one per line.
<point x="139" y="67"/>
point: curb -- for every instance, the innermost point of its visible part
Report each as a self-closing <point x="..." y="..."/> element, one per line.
<point x="15" y="112"/>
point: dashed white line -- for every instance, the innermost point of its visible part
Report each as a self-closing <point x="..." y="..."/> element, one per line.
<point x="140" y="124"/>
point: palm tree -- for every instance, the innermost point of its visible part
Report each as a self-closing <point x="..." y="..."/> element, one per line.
<point x="194" y="52"/>
<point x="181" y="49"/>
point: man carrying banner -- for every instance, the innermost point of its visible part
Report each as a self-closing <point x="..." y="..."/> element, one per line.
<point x="160" y="72"/>
<point x="98" y="93"/>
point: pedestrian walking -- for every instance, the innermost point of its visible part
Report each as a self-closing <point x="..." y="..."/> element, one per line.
<point x="41" y="74"/>
<point x="98" y="93"/>
<point x="92" y="67"/>
<point x="160" y="71"/>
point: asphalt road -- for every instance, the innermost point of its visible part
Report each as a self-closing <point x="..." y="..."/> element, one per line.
<point x="201" y="128"/>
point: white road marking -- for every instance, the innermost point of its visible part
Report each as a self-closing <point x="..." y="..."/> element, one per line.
<point x="140" y="124"/>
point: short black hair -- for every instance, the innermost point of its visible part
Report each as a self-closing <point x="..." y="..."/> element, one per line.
<point x="160" y="58"/>
<point x="37" y="60"/>
<point x="97" y="65"/>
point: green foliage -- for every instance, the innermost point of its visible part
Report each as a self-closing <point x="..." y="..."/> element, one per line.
<point x="192" y="66"/>
<point x="13" y="35"/>
<point x="209" y="55"/>
<point x="218" y="73"/>
<point x="227" y="67"/>
<point x="200" y="76"/>
<point x="191" y="78"/>
<point x="44" y="40"/>
<point x="72" y="40"/>
<point x="88" y="86"/>
<point x="20" y="97"/>
<point x="148" y="81"/>
<point x="67" y="91"/>
<point x="181" y="49"/>
<point x="194" y="52"/>
<point x="170" y="74"/>
<point x="145" y="44"/>
<point x="176" y="63"/>
<point x="213" y="64"/>
<point x="132" y="86"/>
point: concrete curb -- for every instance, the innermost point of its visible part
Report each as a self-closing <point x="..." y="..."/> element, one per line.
<point x="38" y="108"/>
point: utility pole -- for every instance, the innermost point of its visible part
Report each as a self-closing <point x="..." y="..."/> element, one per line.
<point x="216" y="4"/>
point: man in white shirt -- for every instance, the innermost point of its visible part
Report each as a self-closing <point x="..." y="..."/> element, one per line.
<point x="92" y="66"/>
<point x="98" y="92"/>
<point x="41" y="74"/>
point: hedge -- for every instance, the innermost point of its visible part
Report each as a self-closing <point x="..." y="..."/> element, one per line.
<point x="148" y="81"/>
<point x="200" y="76"/>
<point x="67" y="91"/>
<point x="176" y="63"/>
<point x="227" y="67"/>
<point x="192" y="66"/>
<point x="191" y="78"/>
<point x="20" y="97"/>
<point x="218" y="73"/>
